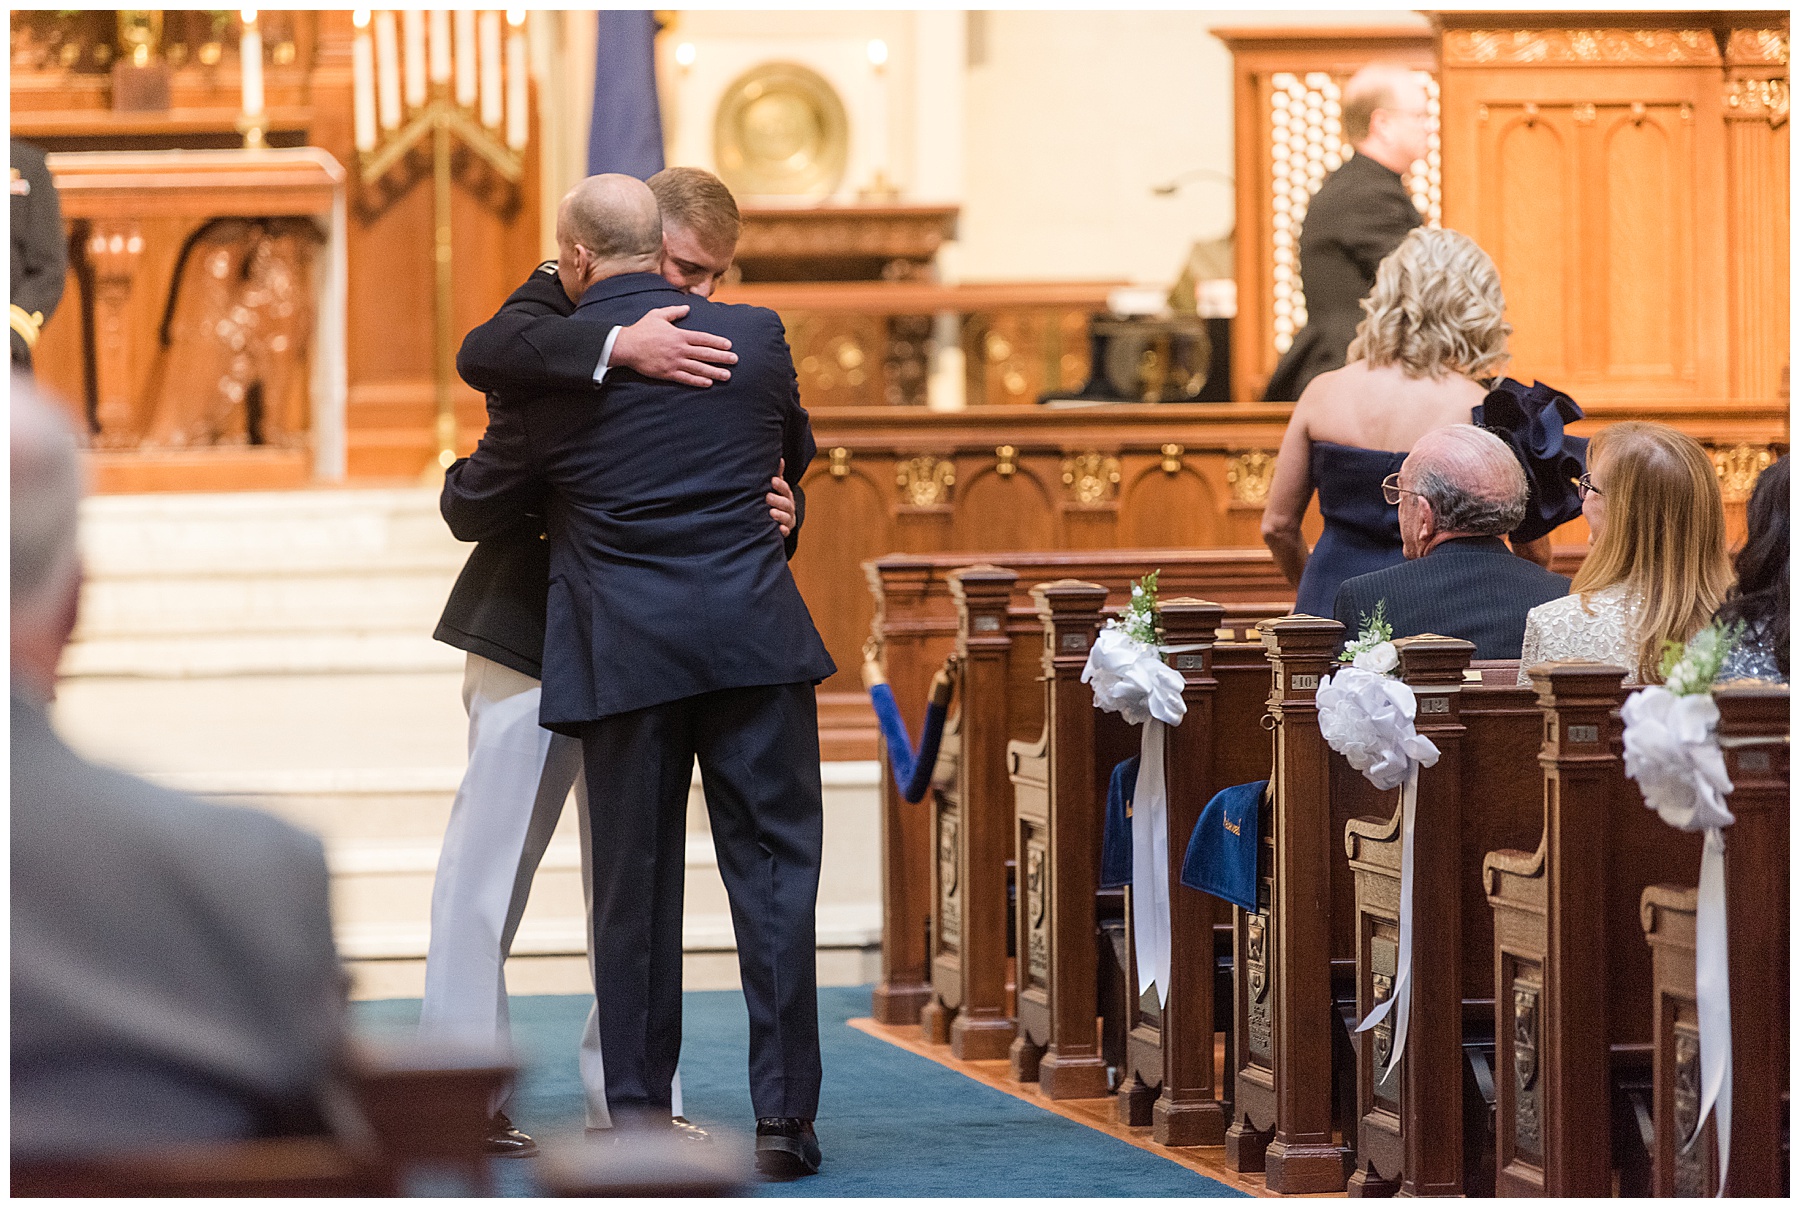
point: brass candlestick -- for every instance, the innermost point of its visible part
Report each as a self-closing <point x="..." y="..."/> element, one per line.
<point x="443" y="120"/>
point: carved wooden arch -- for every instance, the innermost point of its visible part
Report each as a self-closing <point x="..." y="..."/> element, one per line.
<point x="1171" y="532"/>
<point x="972" y="527"/>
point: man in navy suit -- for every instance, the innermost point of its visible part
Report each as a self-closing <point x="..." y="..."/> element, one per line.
<point x="675" y="632"/>
<point x="519" y="774"/>
<point x="1460" y="491"/>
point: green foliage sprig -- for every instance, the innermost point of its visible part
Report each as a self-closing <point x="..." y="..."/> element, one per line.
<point x="1692" y="668"/>
<point x="1375" y="631"/>
<point x="1141" y="621"/>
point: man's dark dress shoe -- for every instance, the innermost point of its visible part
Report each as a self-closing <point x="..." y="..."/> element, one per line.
<point x="786" y="1147"/>
<point x="505" y="1141"/>
<point x="687" y="1130"/>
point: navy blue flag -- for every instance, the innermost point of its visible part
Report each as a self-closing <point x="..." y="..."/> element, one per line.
<point x="627" y="132"/>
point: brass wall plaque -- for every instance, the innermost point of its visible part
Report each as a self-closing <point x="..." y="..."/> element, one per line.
<point x="781" y="132"/>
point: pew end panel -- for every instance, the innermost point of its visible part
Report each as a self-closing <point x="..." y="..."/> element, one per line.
<point x="1753" y="735"/>
<point x="1581" y="769"/>
<point x="1058" y="853"/>
<point x="1282" y="970"/>
<point x="900" y="586"/>
<point x="972" y="829"/>
<point x="1190" y="1110"/>
<point x="1677" y="1168"/>
<point x="1573" y="978"/>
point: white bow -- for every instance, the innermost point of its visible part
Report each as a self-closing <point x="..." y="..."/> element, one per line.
<point x="1130" y="678"/>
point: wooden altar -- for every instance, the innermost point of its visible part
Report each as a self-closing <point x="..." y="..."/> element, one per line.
<point x="63" y="99"/>
<point x="241" y="384"/>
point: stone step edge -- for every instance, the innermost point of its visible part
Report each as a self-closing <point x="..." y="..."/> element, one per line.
<point x="315" y="782"/>
<point x="176" y="657"/>
<point x="846" y="926"/>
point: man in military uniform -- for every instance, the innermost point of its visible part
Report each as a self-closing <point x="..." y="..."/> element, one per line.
<point x="1361" y="213"/>
<point x="40" y="258"/>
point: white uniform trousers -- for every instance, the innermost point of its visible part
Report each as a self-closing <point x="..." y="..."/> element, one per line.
<point x="512" y="794"/>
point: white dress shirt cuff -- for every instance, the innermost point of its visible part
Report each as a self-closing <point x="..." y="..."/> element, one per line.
<point x="605" y="357"/>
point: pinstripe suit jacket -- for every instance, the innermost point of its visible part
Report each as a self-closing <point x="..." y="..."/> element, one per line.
<point x="1472" y="588"/>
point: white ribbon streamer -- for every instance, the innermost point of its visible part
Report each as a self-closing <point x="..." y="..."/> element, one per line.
<point x="1399" y="999"/>
<point x="1130" y="678"/>
<point x="1150" y="866"/>
<point x="1672" y="751"/>
<point x="1367" y="717"/>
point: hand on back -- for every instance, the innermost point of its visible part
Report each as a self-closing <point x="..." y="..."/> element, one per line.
<point x="656" y="348"/>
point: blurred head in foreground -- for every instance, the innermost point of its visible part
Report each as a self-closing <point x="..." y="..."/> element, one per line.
<point x="46" y="567"/>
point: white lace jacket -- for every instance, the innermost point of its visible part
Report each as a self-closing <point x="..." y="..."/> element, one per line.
<point x="1603" y="632"/>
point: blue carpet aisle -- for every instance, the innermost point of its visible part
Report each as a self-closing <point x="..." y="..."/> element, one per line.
<point x="891" y="1123"/>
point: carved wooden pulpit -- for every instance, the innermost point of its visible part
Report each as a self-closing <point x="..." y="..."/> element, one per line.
<point x="204" y="334"/>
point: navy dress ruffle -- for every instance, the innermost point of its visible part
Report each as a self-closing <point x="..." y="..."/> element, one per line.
<point x="1534" y="421"/>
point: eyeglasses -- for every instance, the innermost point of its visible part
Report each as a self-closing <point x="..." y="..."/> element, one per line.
<point x="1586" y="486"/>
<point x="1391" y="490"/>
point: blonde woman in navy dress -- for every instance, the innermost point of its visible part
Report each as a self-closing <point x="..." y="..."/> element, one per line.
<point x="1434" y="327"/>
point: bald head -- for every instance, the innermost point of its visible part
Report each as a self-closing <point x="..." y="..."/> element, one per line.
<point x="46" y="576"/>
<point x="1471" y="482"/>
<point x="607" y="225"/>
<point x="1384" y="114"/>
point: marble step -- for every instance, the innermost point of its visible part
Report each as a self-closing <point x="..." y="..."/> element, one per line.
<point x="262" y="532"/>
<point x="383" y="828"/>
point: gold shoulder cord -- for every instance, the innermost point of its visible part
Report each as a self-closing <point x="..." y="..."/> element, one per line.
<point x="27" y="325"/>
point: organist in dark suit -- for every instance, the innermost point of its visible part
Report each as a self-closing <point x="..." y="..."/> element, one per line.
<point x="675" y="632"/>
<point x="1460" y="491"/>
<point x="1359" y="215"/>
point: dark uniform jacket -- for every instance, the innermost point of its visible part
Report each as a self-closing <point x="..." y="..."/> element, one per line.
<point x="1358" y="216"/>
<point x="1472" y="588"/>
<point x="668" y="579"/>
<point x="39" y="248"/>
<point x="497" y="607"/>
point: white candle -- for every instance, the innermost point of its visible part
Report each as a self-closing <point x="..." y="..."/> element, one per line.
<point x="413" y="31"/>
<point x="362" y="71"/>
<point x="387" y="70"/>
<point x="250" y="56"/>
<point x="518" y="121"/>
<point x="440" y="46"/>
<point x="465" y="57"/>
<point x="492" y="98"/>
<point x="878" y="111"/>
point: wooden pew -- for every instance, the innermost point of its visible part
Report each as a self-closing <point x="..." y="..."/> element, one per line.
<point x="1571" y="973"/>
<point x="1167" y="1079"/>
<point x="1059" y="793"/>
<point x="971" y="832"/>
<point x="398" y="1110"/>
<point x="1756" y="895"/>
<point x="1416" y="1134"/>
<point x="916" y="626"/>
<point x="1285" y="953"/>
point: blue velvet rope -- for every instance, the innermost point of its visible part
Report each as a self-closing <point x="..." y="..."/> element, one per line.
<point x="912" y="771"/>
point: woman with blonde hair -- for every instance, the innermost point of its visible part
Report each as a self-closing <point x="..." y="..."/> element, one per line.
<point x="1657" y="567"/>
<point x="1434" y="326"/>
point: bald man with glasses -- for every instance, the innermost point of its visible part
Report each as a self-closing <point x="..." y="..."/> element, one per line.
<point x="1460" y="491"/>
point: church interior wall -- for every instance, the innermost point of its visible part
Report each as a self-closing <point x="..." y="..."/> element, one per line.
<point x="1068" y="120"/>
